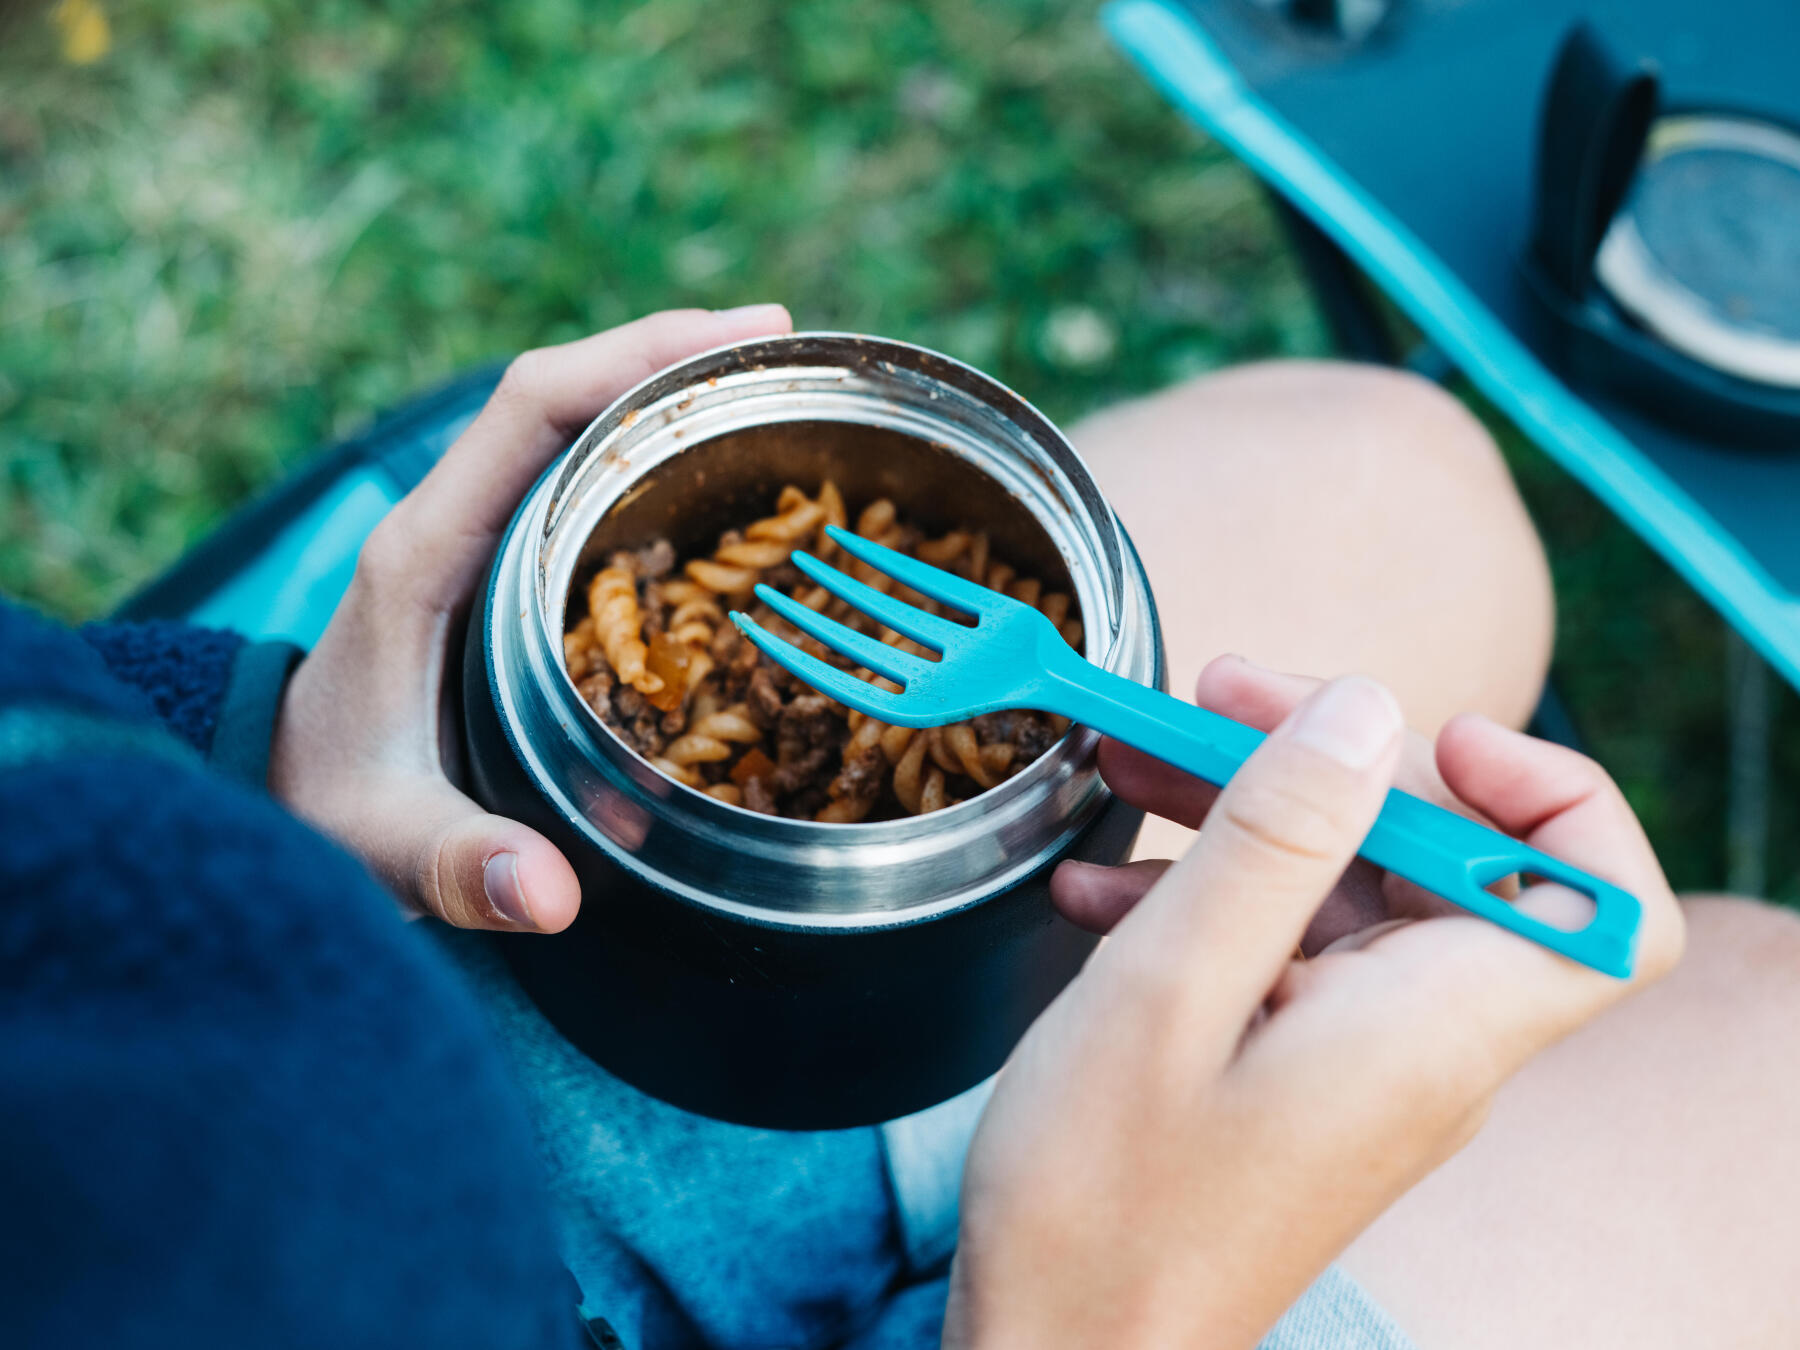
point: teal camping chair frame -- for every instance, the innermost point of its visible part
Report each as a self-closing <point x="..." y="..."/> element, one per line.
<point x="1171" y="45"/>
<point x="1438" y="102"/>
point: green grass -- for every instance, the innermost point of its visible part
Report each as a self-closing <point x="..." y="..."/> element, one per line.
<point x="254" y="224"/>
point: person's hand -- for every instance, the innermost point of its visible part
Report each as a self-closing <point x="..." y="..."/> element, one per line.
<point x="1365" y="897"/>
<point x="361" y="744"/>
<point x="1200" y="1123"/>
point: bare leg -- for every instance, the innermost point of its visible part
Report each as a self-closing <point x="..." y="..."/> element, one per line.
<point x="1324" y="518"/>
<point x="1637" y="1186"/>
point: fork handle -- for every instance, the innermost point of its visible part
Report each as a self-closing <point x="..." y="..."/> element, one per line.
<point x="1445" y="853"/>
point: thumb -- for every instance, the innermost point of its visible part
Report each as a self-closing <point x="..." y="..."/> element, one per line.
<point x="476" y="870"/>
<point x="1230" y="912"/>
<point x="448" y="525"/>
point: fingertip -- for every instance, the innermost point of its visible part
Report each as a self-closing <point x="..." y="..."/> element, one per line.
<point x="1566" y="804"/>
<point x="1096" y="897"/>
<point x="1255" y="695"/>
<point x="1072" y="891"/>
<point x="1070" y="882"/>
<point x="751" y="320"/>
<point x="1663" y="941"/>
<point x="1218" y="676"/>
<point x="1124" y="766"/>
<point x="1154" y="786"/>
<point x="497" y="874"/>
<point x="551" y="891"/>
<point x="1353" y="721"/>
<point x="1516" y="779"/>
<point x="1467" y="729"/>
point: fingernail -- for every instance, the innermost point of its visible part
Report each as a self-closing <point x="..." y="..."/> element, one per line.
<point x="500" y="879"/>
<point x="768" y="313"/>
<point x="1352" y="721"/>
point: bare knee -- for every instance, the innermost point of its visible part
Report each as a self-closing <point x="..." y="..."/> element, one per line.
<point x="1339" y="391"/>
<point x="1358" y="518"/>
<point x="1745" y="950"/>
<point x="1350" y="399"/>
<point x="1651" y="1152"/>
<point x="1726" y="1020"/>
<point x="1397" y="437"/>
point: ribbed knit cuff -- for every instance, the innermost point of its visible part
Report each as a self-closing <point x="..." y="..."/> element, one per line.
<point x="245" y="731"/>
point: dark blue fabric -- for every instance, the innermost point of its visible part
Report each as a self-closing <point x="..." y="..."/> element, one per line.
<point x="41" y="662"/>
<point x="241" y="1102"/>
<point x="181" y="669"/>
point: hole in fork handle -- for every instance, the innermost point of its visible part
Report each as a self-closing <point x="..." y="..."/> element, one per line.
<point x="1564" y="907"/>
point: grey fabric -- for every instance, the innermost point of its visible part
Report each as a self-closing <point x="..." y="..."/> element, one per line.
<point x="925" y="1155"/>
<point x="1337" y="1313"/>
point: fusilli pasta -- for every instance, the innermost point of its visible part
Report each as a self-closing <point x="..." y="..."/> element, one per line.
<point x="658" y="660"/>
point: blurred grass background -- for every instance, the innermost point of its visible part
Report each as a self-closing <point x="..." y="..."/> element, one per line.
<point x="235" y="230"/>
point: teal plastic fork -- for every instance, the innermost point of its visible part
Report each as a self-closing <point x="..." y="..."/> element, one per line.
<point x="1014" y="657"/>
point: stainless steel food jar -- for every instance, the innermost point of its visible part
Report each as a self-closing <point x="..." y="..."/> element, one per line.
<point x="779" y="972"/>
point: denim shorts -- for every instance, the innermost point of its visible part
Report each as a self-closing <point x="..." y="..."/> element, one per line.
<point x="690" y="1234"/>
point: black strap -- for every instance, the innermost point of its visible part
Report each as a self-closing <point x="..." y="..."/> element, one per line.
<point x="1595" y="118"/>
<point x="246" y="727"/>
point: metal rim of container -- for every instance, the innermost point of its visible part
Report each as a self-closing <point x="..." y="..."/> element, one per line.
<point x="705" y="398"/>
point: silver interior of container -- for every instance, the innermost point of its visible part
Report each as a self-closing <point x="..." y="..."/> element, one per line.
<point x="727" y="481"/>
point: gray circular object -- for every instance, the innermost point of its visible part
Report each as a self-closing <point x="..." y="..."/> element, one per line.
<point x="1705" y="251"/>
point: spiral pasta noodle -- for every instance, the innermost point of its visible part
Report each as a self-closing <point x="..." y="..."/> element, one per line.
<point x="618" y="624"/>
<point x="657" y="658"/>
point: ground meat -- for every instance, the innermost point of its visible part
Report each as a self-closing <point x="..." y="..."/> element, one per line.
<point x="811" y="720"/>
<point x="655" y="559"/>
<point x="790" y="775"/>
<point x="596" y="689"/>
<point x="785" y="577"/>
<point x="806" y="803"/>
<point x="758" y="796"/>
<point x="1029" y="733"/>
<point x="862" y="776"/>
<point x="762" y="696"/>
<point x="645" y="737"/>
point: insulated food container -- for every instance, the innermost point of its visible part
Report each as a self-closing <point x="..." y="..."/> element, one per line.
<point x="777" y="972"/>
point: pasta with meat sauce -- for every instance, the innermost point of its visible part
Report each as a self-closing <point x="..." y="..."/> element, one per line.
<point x="655" y="655"/>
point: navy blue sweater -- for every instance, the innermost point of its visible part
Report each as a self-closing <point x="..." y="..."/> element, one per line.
<point x="241" y="1102"/>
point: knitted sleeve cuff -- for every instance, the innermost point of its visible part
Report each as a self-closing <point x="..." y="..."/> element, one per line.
<point x="181" y="669"/>
<point x="213" y="689"/>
